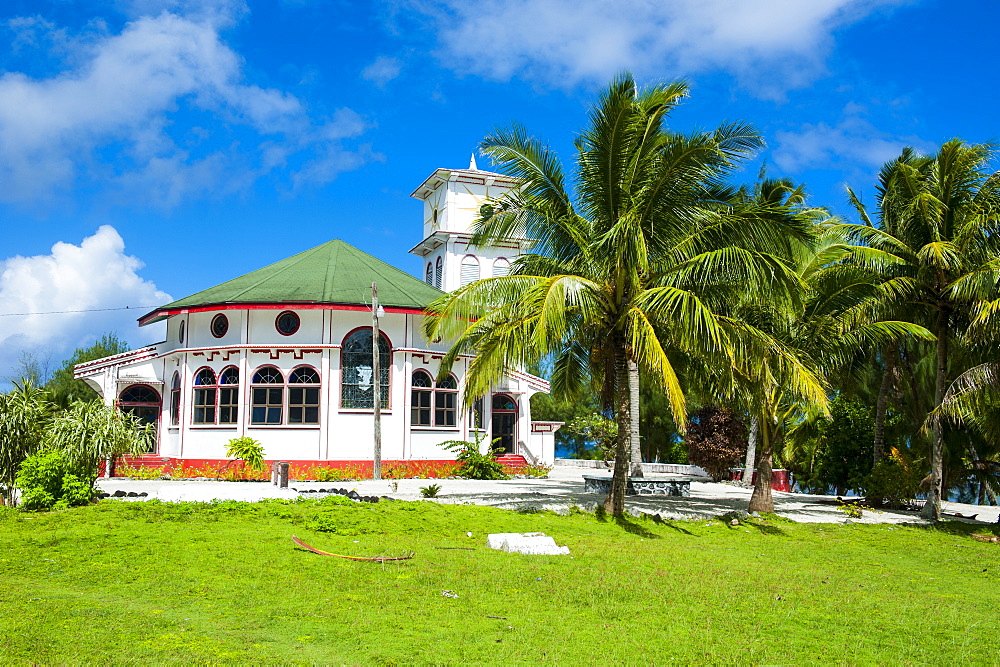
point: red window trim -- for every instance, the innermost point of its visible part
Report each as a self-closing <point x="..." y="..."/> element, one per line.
<point x="340" y="385"/>
<point x="433" y="390"/>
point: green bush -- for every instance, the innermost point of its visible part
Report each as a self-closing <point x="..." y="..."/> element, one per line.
<point x="890" y="484"/>
<point x="248" y="450"/>
<point x="47" y="481"/>
<point x="474" y="464"/>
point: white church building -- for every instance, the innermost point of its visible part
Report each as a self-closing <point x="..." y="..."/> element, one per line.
<point x="284" y="354"/>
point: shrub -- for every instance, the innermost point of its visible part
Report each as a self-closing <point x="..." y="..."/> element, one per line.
<point x="535" y="470"/>
<point x="474" y="464"/>
<point x="716" y="441"/>
<point x="47" y="481"/>
<point x="248" y="450"/>
<point x="890" y="484"/>
<point x="597" y="428"/>
<point x="142" y="472"/>
<point x="328" y="473"/>
<point x="430" y="491"/>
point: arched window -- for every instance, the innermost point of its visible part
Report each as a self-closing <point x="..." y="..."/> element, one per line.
<point x="267" y="396"/>
<point x="356" y="362"/>
<point x="470" y="269"/>
<point x="501" y="267"/>
<point x="175" y="399"/>
<point x="433" y="405"/>
<point x="180" y="333"/>
<point x="303" y="396"/>
<point x="504" y="421"/>
<point x="205" y="390"/>
<point x="438" y="273"/>
<point x="446" y="402"/>
<point x="142" y="401"/>
<point x="421" y="395"/>
<point x="429" y="276"/>
<point x="229" y="395"/>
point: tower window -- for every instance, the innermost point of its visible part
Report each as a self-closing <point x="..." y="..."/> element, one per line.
<point x="470" y="269"/>
<point x="438" y="273"/>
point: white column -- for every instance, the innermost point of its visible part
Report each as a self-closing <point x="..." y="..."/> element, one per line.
<point x="323" y="447"/>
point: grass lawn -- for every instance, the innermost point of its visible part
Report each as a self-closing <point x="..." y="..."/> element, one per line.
<point x="156" y="582"/>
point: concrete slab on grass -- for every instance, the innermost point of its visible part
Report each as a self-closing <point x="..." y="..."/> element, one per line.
<point x="532" y="544"/>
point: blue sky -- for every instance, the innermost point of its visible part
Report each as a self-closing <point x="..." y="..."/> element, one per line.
<point x="152" y="148"/>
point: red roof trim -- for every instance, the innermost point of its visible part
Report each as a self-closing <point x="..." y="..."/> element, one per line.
<point x="282" y="305"/>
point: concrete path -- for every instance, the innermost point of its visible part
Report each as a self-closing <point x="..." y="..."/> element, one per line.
<point x="560" y="492"/>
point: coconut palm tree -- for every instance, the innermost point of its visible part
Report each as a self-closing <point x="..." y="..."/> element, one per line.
<point x="628" y="258"/>
<point x="788" y="350"/>
<point x="937" y="243"/>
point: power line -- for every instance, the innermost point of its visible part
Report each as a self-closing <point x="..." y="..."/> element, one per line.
<point x="66" y="312"/>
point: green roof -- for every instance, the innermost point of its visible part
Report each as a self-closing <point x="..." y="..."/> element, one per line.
<point x="335" y="273"/>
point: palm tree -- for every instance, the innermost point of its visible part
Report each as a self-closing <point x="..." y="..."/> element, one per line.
<point x="90" y="432"/>
<point x="937" y="242"/>
<point x="24" y="415"/>
<point x="627" y="261"/>
<point x="789" y="349"/>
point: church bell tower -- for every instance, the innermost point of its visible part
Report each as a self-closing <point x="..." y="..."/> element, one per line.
<point x="452" y="199"/>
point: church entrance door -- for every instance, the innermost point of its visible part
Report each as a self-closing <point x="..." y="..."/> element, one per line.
<point x="504" y="421"/>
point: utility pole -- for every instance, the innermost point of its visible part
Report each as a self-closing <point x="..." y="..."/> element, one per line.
<point x="376" y="386"/>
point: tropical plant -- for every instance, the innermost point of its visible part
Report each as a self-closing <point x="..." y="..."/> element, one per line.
<point x="789" y="348"/>
<point x="24" y="416"/>
<point x="598" y="429"/>
<point x="48" y="481"/>
<point x="937" y="244"/>
<point x="473" y="462"/>
<point x="430" y="491"/>
<point x="88" y="433"/>
<point x="624" y="268"/>
<point x="248" y="450"/>
<point x="716" y="440"/>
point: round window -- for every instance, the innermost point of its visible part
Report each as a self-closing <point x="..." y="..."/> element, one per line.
<point x="220" y="325"/>
<point x="287" y="323"/>
<point x="180" y="335"/>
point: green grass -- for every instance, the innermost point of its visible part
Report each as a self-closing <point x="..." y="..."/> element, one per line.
<point x="152" y="582"/>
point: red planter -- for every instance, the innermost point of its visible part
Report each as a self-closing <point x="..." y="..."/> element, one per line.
<point x="781" y="479"/>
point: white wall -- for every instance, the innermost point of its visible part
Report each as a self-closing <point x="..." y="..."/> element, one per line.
<point x="343" y="434"/>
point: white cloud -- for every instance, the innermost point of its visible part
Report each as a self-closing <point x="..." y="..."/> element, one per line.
<point x="383" y="70"/>
<point x="852" y="144"/>
<point x="772" y="45"/>
<point x="95" y="275"/>
<point x="118" y="113"/>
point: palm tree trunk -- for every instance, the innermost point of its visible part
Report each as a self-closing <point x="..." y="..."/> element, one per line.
<point x="985" y="484"/>
<point x="615" y="502"/>
<point x="635" y="469"/>
<point x="882" y="403"/>
<point x="932" y="508"/>
<point x="762" y="500"/>
<point x="750" y="463"/>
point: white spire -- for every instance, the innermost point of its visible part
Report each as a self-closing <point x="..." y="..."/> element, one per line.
<point x="472" y="162"/>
